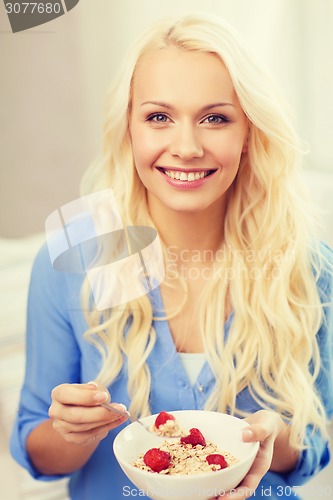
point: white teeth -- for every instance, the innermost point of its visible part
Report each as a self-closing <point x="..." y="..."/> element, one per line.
<point x="185" y="176"/>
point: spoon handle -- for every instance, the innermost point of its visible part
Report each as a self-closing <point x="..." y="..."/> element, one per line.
<point x="114" y="410"/>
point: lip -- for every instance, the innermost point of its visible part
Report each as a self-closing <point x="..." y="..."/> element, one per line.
<point x="182" y="169"/>
<point x="186" y="185"/>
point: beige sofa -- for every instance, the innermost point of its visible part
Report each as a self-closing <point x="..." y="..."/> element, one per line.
<point x="16" y="257"/>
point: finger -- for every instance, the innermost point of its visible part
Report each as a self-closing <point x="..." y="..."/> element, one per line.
<point x="82" y="421"/>
<point x="257" y="432"/>
<point x="99" y="387"/>
<point x="65" y="427"/>
<point x="86" y="414"/>
<point x="79" y="394"/>
<point x="239" y="493"/>
<point x="269" y="420"/>
<point x="258" y="470"/>
<point x="87" y="437"/>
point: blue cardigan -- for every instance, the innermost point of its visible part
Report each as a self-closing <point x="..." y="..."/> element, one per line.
<point x="57" y="353"/>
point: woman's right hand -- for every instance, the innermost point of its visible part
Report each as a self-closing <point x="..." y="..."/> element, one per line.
<point x="78" y="416"/>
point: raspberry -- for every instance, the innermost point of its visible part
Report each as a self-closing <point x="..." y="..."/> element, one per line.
<point x="195" y="437"/>
<point x="157" y="459"/>
<point x="217" y="459"/>
<point x="163" y="417"/>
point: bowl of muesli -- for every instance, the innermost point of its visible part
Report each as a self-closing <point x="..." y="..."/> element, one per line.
<point x="206" y="459"/>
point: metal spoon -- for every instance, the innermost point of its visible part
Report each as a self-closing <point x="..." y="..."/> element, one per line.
<point x="118" y="412"/>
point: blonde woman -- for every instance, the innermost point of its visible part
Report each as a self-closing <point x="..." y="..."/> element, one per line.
<point x="197" y="146"/>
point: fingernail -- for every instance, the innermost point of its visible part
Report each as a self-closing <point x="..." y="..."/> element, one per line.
<point x="93" y="384"/>
<point x="247" y="434"/>
<point x="121" y="407"/>
<point x="101" y="397"/>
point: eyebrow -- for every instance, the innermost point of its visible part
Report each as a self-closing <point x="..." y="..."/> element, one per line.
<point x="205" y="108"/>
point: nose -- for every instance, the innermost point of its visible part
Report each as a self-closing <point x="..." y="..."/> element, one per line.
<point x="185" y="143"/>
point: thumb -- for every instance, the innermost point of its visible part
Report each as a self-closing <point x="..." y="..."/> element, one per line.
<point x="256" y="432"/>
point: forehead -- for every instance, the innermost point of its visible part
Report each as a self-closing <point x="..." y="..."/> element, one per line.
<point x="174" y="74"/>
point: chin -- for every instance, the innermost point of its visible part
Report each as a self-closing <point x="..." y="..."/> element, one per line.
<point x="189" y="208"/>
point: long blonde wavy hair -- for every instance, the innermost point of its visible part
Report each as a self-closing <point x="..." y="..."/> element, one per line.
<point x="270" y="263"/>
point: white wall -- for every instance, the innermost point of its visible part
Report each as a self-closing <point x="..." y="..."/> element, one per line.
<point x="54" y="79"/>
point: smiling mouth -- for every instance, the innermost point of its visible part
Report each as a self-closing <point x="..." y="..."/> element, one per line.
<point x="188" y="176"/>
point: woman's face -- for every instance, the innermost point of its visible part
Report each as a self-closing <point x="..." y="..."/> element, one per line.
<point x="187" y="129"/>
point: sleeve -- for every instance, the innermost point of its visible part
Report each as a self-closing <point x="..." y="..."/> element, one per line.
<point x="52" y="354"/>
<point x="317" y="453"/>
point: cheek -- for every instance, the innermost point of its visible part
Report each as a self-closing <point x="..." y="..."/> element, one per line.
<point x="146" y="146"/>
<point x="228" y="157"/>
<point x="227" y="150"/>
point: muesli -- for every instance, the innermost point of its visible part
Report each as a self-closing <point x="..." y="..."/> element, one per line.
<point x="166" y="425"/>
<point x="191" y="454"/>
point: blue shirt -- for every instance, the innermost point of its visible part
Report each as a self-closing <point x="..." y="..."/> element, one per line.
<point x="57" y="353"/>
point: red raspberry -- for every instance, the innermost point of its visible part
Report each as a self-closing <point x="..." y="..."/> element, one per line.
<point x="217" y="459"/>
<point x="163" y="417"/>
<point x="195" y="437"/>
<point x="157" y="459"/>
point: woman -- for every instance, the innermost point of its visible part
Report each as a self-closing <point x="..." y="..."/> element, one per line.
<point x="195" y="145"/>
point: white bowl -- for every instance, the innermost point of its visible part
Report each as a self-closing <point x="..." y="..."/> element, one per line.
<point x="223" y="430"/>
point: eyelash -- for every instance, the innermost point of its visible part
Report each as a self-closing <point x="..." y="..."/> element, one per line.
<point x="222" y="119"/>
<point x="155" y="115"/>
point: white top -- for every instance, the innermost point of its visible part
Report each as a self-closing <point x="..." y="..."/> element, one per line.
<point x="193" y="363"/>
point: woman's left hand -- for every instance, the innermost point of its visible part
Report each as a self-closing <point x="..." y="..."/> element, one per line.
<point x="268" y="428"/>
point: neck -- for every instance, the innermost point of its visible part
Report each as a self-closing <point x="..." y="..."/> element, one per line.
<point x="189" y="230"/>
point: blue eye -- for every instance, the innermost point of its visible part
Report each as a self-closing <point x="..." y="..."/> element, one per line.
<point x="216" y="119"/>
<point x="157" y="118"/>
